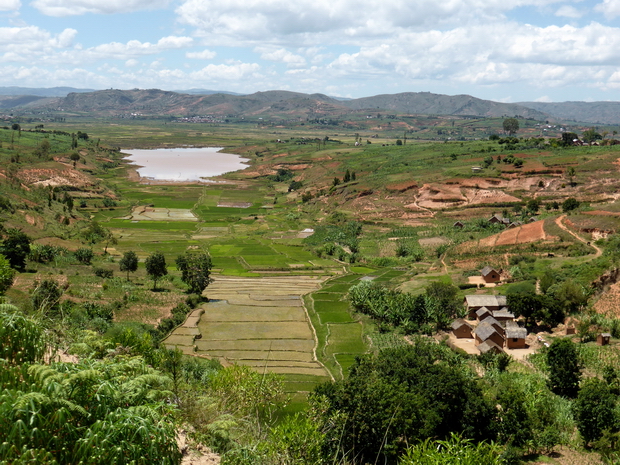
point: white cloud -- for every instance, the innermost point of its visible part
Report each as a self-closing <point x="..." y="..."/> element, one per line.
<point x="281" y="55"/>
<point x="309" y="22"/>
<point x="610" y="8"/>
<point x="226" y="72"/>
<point x="80" y="7"/>
<point x="10" y="5"/>
<point x="135" y="48"/>
<point x="131" y="63"/>
<point x="204" y="55"/>
<point x="568" y="11"/>
<point x="31" y="40"/>
<point x="543" y="99"/>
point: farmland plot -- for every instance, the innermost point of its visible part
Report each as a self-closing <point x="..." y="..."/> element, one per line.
<point x="259" y="322"/>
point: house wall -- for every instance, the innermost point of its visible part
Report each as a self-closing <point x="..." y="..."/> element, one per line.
<point x="515" y="343"/>
<point x="491" y="278"/>
<point x="462" y="333"/>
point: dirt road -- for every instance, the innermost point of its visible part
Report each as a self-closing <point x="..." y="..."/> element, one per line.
<point x="559" y="222"/>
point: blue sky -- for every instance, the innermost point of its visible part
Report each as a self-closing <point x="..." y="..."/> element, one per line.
<point x="503" y="50"/>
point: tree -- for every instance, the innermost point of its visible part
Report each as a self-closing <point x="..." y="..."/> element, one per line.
<point x="526" y="305"/>
<point x="533" y="205"/>
<point x="129" y="263"/>
<point x="570" y="204"/>
<point x="156" y="267"/>
<point x="7" y="275"/>
<point x="590" y="135"/>
<point x="16" y="247"/>
<point x="399" y="397"/>
<point x="570" y="173"/>
<point x="96" y="233"/>
<point x="564" y="368"/>
<point x="568" y="139"/>
<point x="74" y="157"/>
<point x="595" y="410"/>
<point x="195" y="271"/>
<point x="511" y="125"/>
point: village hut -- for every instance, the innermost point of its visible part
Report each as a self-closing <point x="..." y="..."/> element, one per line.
<point x="490" y="275"/>
<point x="475" y="302"/>
<point x="461" y="329"/>
<point x="485" y="332"/>
<point x="515" y="336"/>
<point x="603" y="339"/>
<point x="489" y="346"/>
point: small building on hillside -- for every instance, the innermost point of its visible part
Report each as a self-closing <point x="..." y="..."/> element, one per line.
<point x="499" y="327"/>
<point x="486" y="332"/>
<point x="489" y="346"/>
<point x="490" y="275"/>
<point x="498" y="218"/>
<point x="475" y="302"/>
<point x="482" y="313"/>
<point x="459" y="225"/>
<point x="503" y="315"/>
<point x="603" y="339"/>
<point x="461" y="329"/>
<point x="515" y="336"/>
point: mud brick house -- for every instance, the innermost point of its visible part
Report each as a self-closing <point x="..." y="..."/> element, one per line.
<point x="603" y="339"/>
<point x="486" y="332"/>
<point x="490" y="275"/>
<point x="491" y="302"/>
<point x="461" y="329"/>
<point x="489" y="346"/>
<point x="515" y="336"/>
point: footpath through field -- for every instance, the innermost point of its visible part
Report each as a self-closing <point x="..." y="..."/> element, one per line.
<point x="260" y="322"/>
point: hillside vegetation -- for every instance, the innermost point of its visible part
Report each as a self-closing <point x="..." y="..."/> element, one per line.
<point x="264" y="313"/>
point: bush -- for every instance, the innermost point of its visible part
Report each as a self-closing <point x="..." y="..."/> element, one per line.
<point x="103" y="273"/>
<point x="84" y="255"/>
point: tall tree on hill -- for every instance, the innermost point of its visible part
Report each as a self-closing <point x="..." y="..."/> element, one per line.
<point x="511" y="125"/>
<point x="156" y="267"/>
<point x="564" y="368"/>
<point x="195" y="269"/>
<point x="129" y="263"/>
<point x="16" y="247"/>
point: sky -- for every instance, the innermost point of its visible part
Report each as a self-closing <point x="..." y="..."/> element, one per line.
<point x="502" y="50"/>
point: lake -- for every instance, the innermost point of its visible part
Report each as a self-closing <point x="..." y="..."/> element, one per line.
<point x="184" y="164"/>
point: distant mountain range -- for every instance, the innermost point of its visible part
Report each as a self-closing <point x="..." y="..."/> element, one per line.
<point x="285" y="104"/>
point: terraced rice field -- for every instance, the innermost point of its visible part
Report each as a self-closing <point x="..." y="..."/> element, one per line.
<point x="259" y="322"/>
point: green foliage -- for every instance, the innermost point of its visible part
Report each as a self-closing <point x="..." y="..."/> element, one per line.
<point x="156" y="267"/>
<point x="595" y="410"/>
<point x="22" y="338"/>
<point x="438" y="305"/>
<point x="282" y="175"/>
<point x="46" y="296"/>
<point x="297" y="440"/>
<point x="89" y="412"/>
<point x="7" y="275"/>
<point x="16" y="247"/>
<point x="416" y="392"/>
<point x="570" y="204"/>
<point x="84" y="255"/>
<point x="195" y="271"/>
<point x="564" y="368"/>
<point x="453" y="451"/>
<point x="128" y="263"/>
<point x="511" y="125"/>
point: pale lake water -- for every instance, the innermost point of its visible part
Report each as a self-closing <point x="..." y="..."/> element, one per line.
<point x="184" y="164"/>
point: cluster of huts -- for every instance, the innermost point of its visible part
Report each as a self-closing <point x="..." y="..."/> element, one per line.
<point x="498" y="218"/>
<point x="495" y="327"/>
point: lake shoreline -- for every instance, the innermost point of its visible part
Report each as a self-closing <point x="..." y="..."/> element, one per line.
<point x="134" y="166"/>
